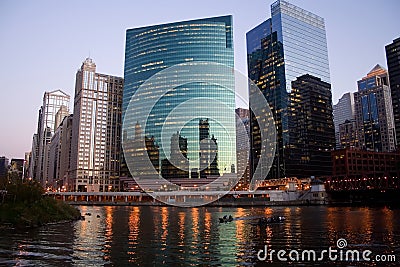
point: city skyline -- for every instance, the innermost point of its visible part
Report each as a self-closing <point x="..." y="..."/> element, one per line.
<point x="49" y="39"/>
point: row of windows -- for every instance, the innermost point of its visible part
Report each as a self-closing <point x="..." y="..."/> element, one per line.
<point x="173" y="48"/>
<point x="289" y="10"/>
<point x="297" y="68"/>
<point x="303" y="46"/>
<point x="300" y="26"/>
<point x="172" y="27"/>
<point x="212" y="40"/>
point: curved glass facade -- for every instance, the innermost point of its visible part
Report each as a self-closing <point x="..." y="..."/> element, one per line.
<point x="152" y="51"/>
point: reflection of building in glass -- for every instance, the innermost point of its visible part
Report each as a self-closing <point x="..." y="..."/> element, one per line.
<point x="311" y="130"/>
<point x="343" y="111"/>
<point x="177" y="166"/>
<point x="393" y="63"/>
<point x="214" y="170"/>
<point x="208" y="153"/>
<point x="138" y="149"/>
<point x="153" y="152"/>
<point x="96" y="130"/>
<point x="374" y="112"/>
<point x="152" y="49"/>
<point x="289" y="44"/>
<point x="52" y="102"/>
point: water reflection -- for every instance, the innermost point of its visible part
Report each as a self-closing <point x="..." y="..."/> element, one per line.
<point x="134" y="227"/>
<point x="119" y="236"/>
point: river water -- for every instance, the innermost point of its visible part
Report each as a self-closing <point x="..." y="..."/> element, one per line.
<point x="170" y="236"/>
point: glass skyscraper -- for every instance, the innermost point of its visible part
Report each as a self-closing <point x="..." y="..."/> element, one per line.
<point x="52" y="102"/>
<point x="343" y="111"/>
<point x="374" y="112"/>
<point x="288" y="45"/>
<point x="151" y="51"/>
<point x="393" y="63"/>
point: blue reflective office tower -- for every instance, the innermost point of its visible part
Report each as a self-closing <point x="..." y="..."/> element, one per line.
<point x="374" y="112"/>
<point x="288" y="45"/>
<point x="152" y="50"/>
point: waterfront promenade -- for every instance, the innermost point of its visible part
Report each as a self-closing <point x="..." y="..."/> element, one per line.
<point x="232" y="198"/>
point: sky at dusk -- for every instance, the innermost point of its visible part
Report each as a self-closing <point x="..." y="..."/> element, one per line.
<point x="43" y="43"/>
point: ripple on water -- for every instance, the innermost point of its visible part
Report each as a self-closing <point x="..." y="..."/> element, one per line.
<point x="191" y="237"/>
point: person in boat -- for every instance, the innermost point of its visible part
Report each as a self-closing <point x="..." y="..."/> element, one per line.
<point x="223" y="219"/>
<point x="275" y="219"/>
<point x="226" y="219"/>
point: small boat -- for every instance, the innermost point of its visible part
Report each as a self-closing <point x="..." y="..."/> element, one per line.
<point x="226" y="219"/>
<point x="270" y="220"/>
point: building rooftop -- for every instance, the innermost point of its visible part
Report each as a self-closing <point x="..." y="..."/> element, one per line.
<point x="376" y="71"/>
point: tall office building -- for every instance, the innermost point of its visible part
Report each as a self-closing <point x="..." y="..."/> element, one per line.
<point x="26" y="164"/>
<point x="60" y="115"/>
<point x="374" y="112"/>
<point x="33" y="163"/>
<point x="242" y="147"/>
<point x="311" y="130"/>
<point x="348" y="135"/>
<point x="149" y="50"/>
<point x="34" y="157"/>
<point x="54" y="159"/>
<point x="288" y="45"/>
<point x="53" y="176"/>
<point x="17" y="168"/>
<point x="65" y="154"/>
<point x="96" y="130"/>
<point x="243" y="113"/>
<point x="343" y="111"/>
<point x="393" y="63"/>
<point x="3" y="167"/>
<point x="52" y="102"/>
